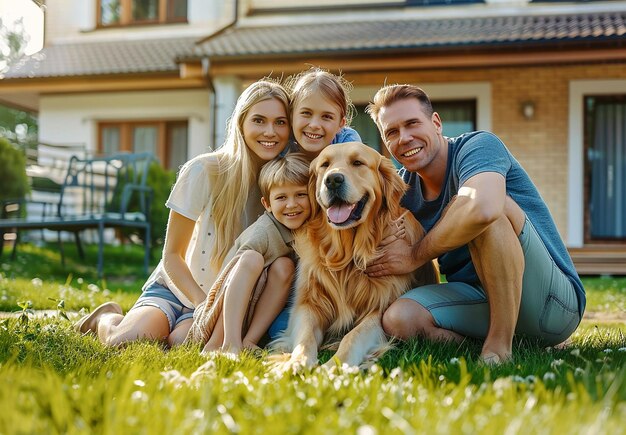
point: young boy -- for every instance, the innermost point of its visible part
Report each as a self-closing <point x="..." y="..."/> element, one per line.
<point x="242" y="302"/>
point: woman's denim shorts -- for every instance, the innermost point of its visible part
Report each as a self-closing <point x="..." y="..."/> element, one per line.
<point x="158" y="296"/>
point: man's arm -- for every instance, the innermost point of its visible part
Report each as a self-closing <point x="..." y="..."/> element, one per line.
<point x="479" y="202"/>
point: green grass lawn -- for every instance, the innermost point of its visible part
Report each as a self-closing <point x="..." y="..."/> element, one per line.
<point x="56" y="381"/>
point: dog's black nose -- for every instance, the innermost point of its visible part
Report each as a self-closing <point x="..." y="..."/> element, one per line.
<point x="334" y="181"/>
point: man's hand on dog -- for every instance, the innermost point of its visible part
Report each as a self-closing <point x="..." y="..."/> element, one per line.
<point x="397" y="258"/>
<point x="396" y="230"/>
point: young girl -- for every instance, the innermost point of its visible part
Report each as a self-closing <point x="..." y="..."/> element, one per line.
<point x="321" y="111"/>
<point x="215" y="197"/>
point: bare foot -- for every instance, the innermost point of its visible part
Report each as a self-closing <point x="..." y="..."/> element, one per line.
<point x="208" y="348"/>
<point x="493" y="359"/>
<point x="564" y="345"/>
<point x="89" y="322"/>
<point x="250" y="346"/>
<point x="231" y="349"/>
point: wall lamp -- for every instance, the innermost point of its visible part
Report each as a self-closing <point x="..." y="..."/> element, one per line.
<point x="528" y="110"/>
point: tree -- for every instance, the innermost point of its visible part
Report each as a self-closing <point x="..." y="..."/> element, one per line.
<point x="13" y="41"/>
<point x="15" y="125"/>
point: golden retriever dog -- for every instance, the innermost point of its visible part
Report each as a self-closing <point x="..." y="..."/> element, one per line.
<point x="355" y="195"/>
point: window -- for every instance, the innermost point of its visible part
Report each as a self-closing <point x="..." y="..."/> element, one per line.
<point x="167" y="140"/>
<point x="457" y="116"/>
<point x="128" y="12"/>
<point x="440" y="2"/>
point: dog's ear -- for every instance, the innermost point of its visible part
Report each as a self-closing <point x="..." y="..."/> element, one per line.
<point x="393" y="187"/>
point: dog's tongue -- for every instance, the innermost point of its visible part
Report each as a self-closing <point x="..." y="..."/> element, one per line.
<point x="338" y="214"/>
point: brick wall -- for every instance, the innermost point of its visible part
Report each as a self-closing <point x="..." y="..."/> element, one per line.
<point x="540" y="144"/>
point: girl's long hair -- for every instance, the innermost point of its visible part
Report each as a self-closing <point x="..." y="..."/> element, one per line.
<point x="237" y="172"/>
<point x="334" y="88"/>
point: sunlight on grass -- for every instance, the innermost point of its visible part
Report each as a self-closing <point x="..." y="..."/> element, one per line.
<point x="63" y="382"/>
<point x="606" y="294"/>
<point x="46" y="295"/>
<point x="37" y="275"/>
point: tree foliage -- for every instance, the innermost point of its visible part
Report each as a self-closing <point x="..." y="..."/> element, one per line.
<point x="13" y="177"/>
<point x="13" y="42"/>
<point x="17" y="126"/>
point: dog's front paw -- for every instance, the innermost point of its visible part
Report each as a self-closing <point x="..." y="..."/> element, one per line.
<point x="293" y="365"/>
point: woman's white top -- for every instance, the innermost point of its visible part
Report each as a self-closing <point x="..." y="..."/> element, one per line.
<point x="191" y="197"/>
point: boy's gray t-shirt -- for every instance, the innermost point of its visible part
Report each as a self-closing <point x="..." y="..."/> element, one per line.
<point x="471" y="154"/>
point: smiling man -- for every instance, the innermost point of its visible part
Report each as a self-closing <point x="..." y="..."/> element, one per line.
<point x="507" y="269"/>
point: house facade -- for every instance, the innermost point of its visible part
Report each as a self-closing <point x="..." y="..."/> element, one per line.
<point x="548" y="77"/>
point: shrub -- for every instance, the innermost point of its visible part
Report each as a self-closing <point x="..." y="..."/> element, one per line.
<point x="13" y="177"/>
<point x="161" y="181"/>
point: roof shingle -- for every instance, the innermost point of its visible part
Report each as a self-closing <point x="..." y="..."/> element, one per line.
<point x="97" y="58"/>
<point x="401" y="34"/>
<point x="160" y="55"/>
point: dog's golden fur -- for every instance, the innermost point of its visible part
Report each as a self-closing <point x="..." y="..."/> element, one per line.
<point x="334" y="296"/>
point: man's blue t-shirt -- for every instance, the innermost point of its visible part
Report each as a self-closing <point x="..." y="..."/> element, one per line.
<point x="471" y="154"/>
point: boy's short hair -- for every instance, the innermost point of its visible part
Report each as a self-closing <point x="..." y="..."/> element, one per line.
<point x="292" y="168"/>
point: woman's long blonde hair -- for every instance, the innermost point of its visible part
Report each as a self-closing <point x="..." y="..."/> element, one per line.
<point x="237" y="172"/>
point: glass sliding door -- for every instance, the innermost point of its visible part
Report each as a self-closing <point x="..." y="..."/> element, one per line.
<point x="606" y="168"/>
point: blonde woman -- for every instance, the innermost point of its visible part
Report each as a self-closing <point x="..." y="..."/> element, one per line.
<point x="213" y="200"/>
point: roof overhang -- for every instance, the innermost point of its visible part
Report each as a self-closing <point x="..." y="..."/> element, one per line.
<point x="378" y="45"/>
<point x="392" y="60"/>
<point x="24" y="93"/>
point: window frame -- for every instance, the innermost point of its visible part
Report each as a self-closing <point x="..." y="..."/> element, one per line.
<point x="127" y="127"/>
<point x="126" y="16"/>
<point x="469" y="103"/>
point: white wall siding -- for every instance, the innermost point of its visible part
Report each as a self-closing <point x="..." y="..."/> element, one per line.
<point x="227" y="90"/>
<point x="69" y="21"/>
<point x="70" y="119"/>
<point x="63" y="18"/>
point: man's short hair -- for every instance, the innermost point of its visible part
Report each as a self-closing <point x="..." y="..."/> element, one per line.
<point x="292" y="168"/>
<point x="389" y="94"/>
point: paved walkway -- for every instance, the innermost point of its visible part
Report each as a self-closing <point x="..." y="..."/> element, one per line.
<point x="591" y="316"/>
<point x="38" y="313"/>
